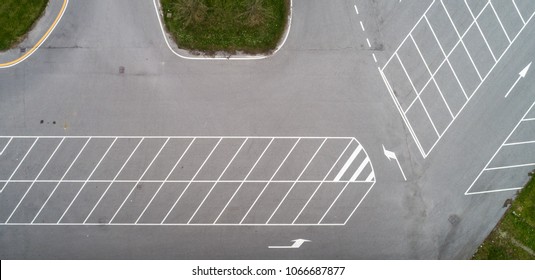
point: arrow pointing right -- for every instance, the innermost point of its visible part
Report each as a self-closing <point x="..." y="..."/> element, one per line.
<point x="521" y="75"/>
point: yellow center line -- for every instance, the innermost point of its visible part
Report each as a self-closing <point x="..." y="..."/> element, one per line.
<point x="38" y="44"/>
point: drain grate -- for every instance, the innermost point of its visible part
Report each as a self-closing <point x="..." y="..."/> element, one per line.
<point x="454" y="219"/>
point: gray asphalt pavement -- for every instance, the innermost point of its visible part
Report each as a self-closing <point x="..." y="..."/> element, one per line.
<point x="112" y="147"/>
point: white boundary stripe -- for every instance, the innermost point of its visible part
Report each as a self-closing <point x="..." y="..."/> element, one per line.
<point x="192" y="179"/>
<point x="164" y="181"/>
<point x="481" y="31"/>
<point x="62" y="177"/>
<point x="287" y="32"/>
<point x="175" y="224"/>
<point x="518" y="11"/>
<point x="172" y="181"/>
<point x="178" y="137"/>
<point x="85" y="183"/>
<point x="359" y="170"/>
<point x="528" y="119"/>
<point x="467" y="192"/>
<point x="140" y="177"/>
<point x="446" y="57"/>
<point x="461" y="37"/>
<point x="33" y="183"/>
<point x="245" y="180"/>
<point x="394" y="98"/>
<point x="299" y="177"/>
<point x="113" y="180"/>
<point x="498" y="17"/>
<point x="5" y="147"/>
<point x="509" y="166"/>
<point x="217" y="181"/>
<point x="267" y="184"/>
<point x="321" y="183"/>
<point x="519" y="143"/>
<point x="20" y="163"/>
<point x="348" y="163"/>
<point x="432" y="77"/>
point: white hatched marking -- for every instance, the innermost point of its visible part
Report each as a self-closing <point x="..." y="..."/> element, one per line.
<point x="359" y="170"/>
<point x="348" y="163"/>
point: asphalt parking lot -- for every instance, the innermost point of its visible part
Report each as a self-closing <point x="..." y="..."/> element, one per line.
<point x="379" y="130"/>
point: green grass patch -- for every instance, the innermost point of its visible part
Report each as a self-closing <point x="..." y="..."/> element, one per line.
<point x="515" y="231"/>
<point x="210" y="26"/>
<point x="17" y="18"/>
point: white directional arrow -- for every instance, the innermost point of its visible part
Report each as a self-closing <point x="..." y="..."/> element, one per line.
<point x="521" y="75"/>
<point x="296" y="244"/>
<point x="392" y="156"/>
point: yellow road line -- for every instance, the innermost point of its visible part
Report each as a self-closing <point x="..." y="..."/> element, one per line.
<point x="38" y="44"/>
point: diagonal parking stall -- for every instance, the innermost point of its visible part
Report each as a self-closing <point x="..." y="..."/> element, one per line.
<point x="182" y="180"/>
<point x="445" y="59"/>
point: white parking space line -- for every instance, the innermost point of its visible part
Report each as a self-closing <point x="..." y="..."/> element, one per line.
<point x="140" y="177"/>
<point x="60" y="180"/>
<point x="217" y="181"/>
<point x="518" y="11"/>
<point x="163" y="182"/>
<point x="5" y="147"/>
<point x="293" y="185"/>
<point x="20" y="163"/>
<point x="33" y="183"/>
<point x="446" y="57"/>
<point x="519" y="143"/>
<point x="486" y="168"/>
<point x="194" y="176"/>
<point x="348" y="163"/>
<point x="85" y="183"/>
<point x="461" y="38"/>
<point x="457" y="73"/>
<point x="480" y="31"/>
<point x="128" y="152"/>
<point x="500" y="21"/>
<point x="362" y="26"/>
<point x="432" y="76"/>
<point x="267" y="184"/>
<point x="527" y="120"/>
<point x="356" y="9"/>
<point x="334" y="202"/>
<point x="246" y="177"/>
<point x="113" y="180"/>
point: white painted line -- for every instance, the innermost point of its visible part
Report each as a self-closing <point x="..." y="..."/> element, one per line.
<point x="368" y="41"/>
<point x="445" y="57"/>
<point x="168" y="181"/>
<point x="138" y="181"/>
<point x="521" y="75"/>
<point x="286" y="31"/>
<point x="509" y="166"/>
<point x="527" y="120"/>
<point x="164" y="181"/>
<point x="244" y="180"/>
<point x="480" y="31"/>
<point x="177" y="137"/>
<point x="498" y="17"/>
<point x="113" y="180"/>
<point x="519" y="14"/>
<point x="267" y="184"/>
<point x="39" y="174"/>
<point x="432" y="78"/>
<point x="85" y="183"/>
<point x="362" y="26"/>
<point x="5" y="147"/>
<point x="461" y="38"/>
<point x="176" y="224"/>
<point x="359" y="170"/>
<point x="519" y="143"/>
<point x="467" y="192"/>
<point x="374" y="58"/>
<point x="217" y="181"/>
<point x="332" y="204"/>
<point x="296" y="244"/>
<point x="408" y="77"/>
<point x="321" y="183"/>
<point x="371" y="177"/>
<point x="356" y="9"/>
<point x="400" y="110"/>
<point x="348" y="163"/>
<point x="493" y="191"/>
<point x="298" y="177"/>
<point x="192" y="179"/>
<point x="60" y="180"/>
<point x="406" y="37"/>
<point x="20" y="162"/>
